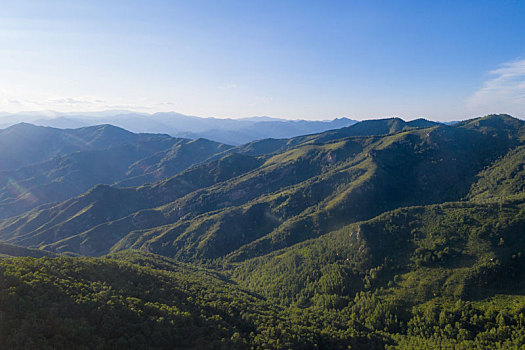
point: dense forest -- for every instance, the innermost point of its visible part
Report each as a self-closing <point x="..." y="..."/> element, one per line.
<point x="381" y="235"/>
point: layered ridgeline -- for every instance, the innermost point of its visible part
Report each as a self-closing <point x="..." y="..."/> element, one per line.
<point x="402" y="236"/>
<point x="229" y="131"/>
<point x="272" y="189"/>
<point x="40" y="165"/>
<point x="307" y="187"/>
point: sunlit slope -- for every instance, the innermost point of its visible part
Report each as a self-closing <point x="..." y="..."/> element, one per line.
<point x="414" y="167"/>
<point x="504" y="178"/>
<point x="459" y="249"/>
<point x="104" y="203"/>
<point x="173" y="159"/>
<point x="304" y="192"/>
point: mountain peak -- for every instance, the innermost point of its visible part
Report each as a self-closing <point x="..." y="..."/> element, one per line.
<point x="422" y="123"/>
<point x="494" y="121"/>
<point x="506" y="118"/>
<point x="23" y="126"/>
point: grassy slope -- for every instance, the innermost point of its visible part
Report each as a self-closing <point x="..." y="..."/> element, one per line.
<point x="506" y="177"/>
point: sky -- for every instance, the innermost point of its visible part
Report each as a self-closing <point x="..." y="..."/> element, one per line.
<point x="442" y="60"/>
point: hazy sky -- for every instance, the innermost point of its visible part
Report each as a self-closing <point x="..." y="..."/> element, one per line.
<point x="443" y="60"/>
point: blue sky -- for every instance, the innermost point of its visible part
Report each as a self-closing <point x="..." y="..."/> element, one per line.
<point x="444" y="60"/>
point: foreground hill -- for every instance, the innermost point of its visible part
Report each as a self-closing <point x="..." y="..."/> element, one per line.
<point x="458" y="249"/>
<point x="437" y="276"/>
<point x="407" y="279"/>
<point x="137" y="301"/>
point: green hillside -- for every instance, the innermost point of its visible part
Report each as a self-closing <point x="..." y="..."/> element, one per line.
<point x="506" y="177"/>
<point x="410" y="273"/>
<point x="382" y="235"/>
<point x="458" y="249"/>
<point x="133" y="300"/>
<point x="103" y="203"/>
<point x="277" y="200"/>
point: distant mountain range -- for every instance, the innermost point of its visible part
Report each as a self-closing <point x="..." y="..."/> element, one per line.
<point x="229" y="131"/>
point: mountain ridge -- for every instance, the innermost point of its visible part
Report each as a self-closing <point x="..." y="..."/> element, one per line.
<point x="370" y="163"/>
<point x="229" y="131"/>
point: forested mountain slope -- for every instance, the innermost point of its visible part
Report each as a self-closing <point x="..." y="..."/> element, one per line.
<point x="406" y="237"/>
<point x="458" y="249"/>
<point x="40" y="165"/>
<point x="273" y="168"/>
<point x="506" y="177"/>
<point x="448" y="275"/>
<point x="136" y="300"/>
<point x="323" y="182"/>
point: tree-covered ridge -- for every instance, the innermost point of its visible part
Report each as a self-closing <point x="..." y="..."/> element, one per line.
<point x="504" y="178"/>
<point x="134" y="300"/>
<point x="138" y="300"/>
<point x="475" y="243"/>
<point x="105" y="303"/>
<point x="434" y="275"/>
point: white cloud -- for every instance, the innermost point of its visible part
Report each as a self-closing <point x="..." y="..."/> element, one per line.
<point x="15" y="104"/>
<point x="71" y="101"/>
<point x="503" y="93"/>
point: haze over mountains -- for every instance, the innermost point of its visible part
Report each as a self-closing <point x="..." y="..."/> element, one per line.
<point x="382" y="233"/>
<point x="230" y="131"/>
